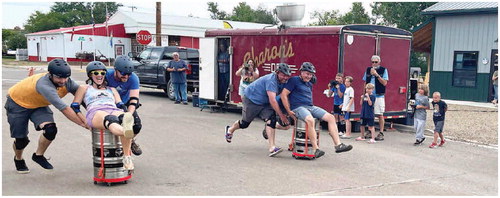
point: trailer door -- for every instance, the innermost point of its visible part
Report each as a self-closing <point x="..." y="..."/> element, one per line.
<point x="207" y="68"/>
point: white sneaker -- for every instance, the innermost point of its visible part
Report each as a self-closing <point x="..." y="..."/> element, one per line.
<point x="127" y="124"/>
<point x="127" y="163"/>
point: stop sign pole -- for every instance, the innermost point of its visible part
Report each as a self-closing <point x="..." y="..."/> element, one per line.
<point x="144" y="37"/>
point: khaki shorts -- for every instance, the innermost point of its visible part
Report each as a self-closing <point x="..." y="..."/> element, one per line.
<point x="379" y="106"/>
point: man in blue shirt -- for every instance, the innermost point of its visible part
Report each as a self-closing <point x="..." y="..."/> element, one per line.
<point x="260" y="101"/>
<point x="223" y="68"/>
<point x="298" y="102"/>
<point x="378" y="76"/>
<point x="177" y="69"/>
<point x="127" y="84"/>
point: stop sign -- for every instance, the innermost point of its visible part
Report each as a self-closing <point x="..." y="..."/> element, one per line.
<point x="144" y="37"/>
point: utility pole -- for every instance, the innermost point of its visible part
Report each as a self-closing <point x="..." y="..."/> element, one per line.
<point x="158" y="23"/>
<point x="133" y="7"/>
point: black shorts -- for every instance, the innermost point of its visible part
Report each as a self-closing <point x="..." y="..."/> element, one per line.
<point x="18" y="118"/>
<point x="252" y="110"/>
<point x="367" y="121"/>
<point x="337" y="110"/>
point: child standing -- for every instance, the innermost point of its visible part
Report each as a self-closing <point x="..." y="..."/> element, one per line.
<point x="422" y="103"/>
<point x="337" y="89"/>
<point x="348" y="106"/>
<point x="440" y="108"/>
<point x="367" y="113"/>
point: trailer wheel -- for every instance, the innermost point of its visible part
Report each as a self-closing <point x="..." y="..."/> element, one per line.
<point x="169" y="90"/>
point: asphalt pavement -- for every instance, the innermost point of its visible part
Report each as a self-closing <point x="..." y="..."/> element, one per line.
<point x="185" y="153"/>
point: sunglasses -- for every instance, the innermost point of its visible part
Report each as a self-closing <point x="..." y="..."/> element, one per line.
<point x="125" y="73"/>
<point x="97" y="73"/>
<point x="374" y="61"/>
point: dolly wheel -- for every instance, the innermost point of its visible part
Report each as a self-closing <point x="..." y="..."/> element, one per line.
<point x="95" y="182"/>
<point x="290" y="147"/>
<point x="109" y="184"/>
<point x="125" y="182"/>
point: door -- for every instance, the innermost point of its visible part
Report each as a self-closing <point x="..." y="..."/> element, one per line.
<point x="119" y="50"/>
<point x="38" y="51"/>
<point x="357" y="51"/>
<point x="43" y="49"/>
<point x="151" y="65"/>
<point x="207" y="68"/>
<point x="139" y="70"/>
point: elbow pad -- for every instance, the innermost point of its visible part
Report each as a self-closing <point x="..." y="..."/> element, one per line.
<point x="76" y="107"/>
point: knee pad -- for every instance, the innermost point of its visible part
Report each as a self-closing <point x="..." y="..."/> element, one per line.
<point x="21" y="143"/>
<point x="109" y="119"/>
<point x="243" y="124"/>
<point x="50" y="131"/>
<point x="137" y="128"/>
<point x="272" y="121"/>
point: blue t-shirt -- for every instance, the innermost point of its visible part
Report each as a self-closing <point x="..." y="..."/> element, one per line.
<point x="257" y="91"/>
<point x="372" y="81"/>
<point x="367" y="111"/>
<point x="300" y="92"/>
<point x="337" y="100"/>
<point x="177" y="76"/>
<point x="223" y="67"/>
<point x="123" y="88"/>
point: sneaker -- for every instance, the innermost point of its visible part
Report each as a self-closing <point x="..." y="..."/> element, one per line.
<point x="342" y="148"/>
<point x="127" y="163"/>
<point x="184" y="103"/>
<point x="340" y="133"/>
<point x="380" y="137"/>
<point x="345" y="137"/>
<point x="40" y="159"/>
<point x="127" y="124"/>
<point x="360" y="139"/>
<point x="177" y="102"/>
<point x="229" y="136"/>
<point x="275" y="151"/>
<point x="442" y="142"/>
<point x="136" y="149"/>
<point x="433" y="145"/>
<point x="418" y="142"/>
<point x="368" y="136"/>
<point x="264" y="133"/>
<point x="318" y="153"/>
<point x="371" y="141"/>
<point x="21" y="166"/>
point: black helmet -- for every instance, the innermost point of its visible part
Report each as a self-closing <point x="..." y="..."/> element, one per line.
<point x="124" y="64"/>
<point x="95" y="65"/>
<point x="284" y="68"/>
<point x="307" y="66"/>
<point x="60" y="68"/>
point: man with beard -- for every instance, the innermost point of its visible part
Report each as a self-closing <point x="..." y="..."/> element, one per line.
<point x="29" y="99"/>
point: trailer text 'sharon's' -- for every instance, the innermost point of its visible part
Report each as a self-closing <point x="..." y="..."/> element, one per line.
<point x="331" y="49"/>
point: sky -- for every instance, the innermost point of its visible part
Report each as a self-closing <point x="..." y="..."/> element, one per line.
<point x="16" y="13"/>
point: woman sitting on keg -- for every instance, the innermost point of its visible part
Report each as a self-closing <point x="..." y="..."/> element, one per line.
<point x="104" y="108"/>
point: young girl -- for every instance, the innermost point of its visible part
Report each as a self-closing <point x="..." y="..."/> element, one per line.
<point x="367" y="113"/>
<point x="422" y="103"/>
<point x="102" y="112"/>
<point x="348" y="106"/>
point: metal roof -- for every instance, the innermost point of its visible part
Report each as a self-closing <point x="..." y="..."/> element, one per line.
<point x="460" y="8"/>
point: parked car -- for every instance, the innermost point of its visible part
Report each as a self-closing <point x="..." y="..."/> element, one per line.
<point x="11" y="52"/>
<point x="151" y="67"/>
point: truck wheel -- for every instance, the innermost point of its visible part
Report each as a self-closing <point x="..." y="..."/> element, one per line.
<point x="170" y="90"/>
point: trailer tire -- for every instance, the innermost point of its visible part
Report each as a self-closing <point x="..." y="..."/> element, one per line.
<point x="169" y="90"/>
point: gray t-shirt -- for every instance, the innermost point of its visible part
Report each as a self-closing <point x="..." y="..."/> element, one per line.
<point x="421" y="114"/>
<point x="47" y="89"/>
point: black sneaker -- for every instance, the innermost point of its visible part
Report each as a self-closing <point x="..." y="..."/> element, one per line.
<point x="418" y="142"/>
<point x="318" y="153"/>
<point x="380" y="136"/>
<point x="264" y="133"/>
<point x="342" y="148"/>
<point x="136" y="149"/>
<point x="40" y="159"/>
<point x="21" y="166"/>
<point x="177" y="102"/>
<point x="185" y="103"/>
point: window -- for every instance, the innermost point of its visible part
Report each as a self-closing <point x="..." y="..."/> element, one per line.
<point x="174" y="40"/>
<point x="156" y="53"/>
<point x="193" y="54"/>
<point x="145" y="54"/>
<point x="465" y="68"/>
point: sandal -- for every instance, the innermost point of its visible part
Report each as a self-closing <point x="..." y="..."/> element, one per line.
<point x="360" y="139"/>
<point x="275" y="151"/>
<point x="229" y="136"/>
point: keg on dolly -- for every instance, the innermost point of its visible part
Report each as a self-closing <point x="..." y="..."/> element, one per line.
<point x="107" y="158"/>
<point x="301" y="145"/>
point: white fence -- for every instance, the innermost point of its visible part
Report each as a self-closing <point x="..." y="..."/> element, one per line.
<point x="21" y="54"/>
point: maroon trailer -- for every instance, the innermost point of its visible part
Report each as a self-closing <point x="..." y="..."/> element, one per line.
<point x="331" y="49"/>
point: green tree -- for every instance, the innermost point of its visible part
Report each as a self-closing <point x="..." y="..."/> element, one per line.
<point x="67" y="14"/>
<point x="13" y="39"/>
<point x="403" y="15"/>
<point x="242" y="12"/>
<point x="357" y="15"/>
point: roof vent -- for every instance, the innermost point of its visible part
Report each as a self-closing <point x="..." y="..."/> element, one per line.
<point x="290" y="14"/>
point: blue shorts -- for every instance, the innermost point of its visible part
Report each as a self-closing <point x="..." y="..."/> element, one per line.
<point x="367" y="121"/>
<point x="347" y="115"/>
<point x="303" y="111"/>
